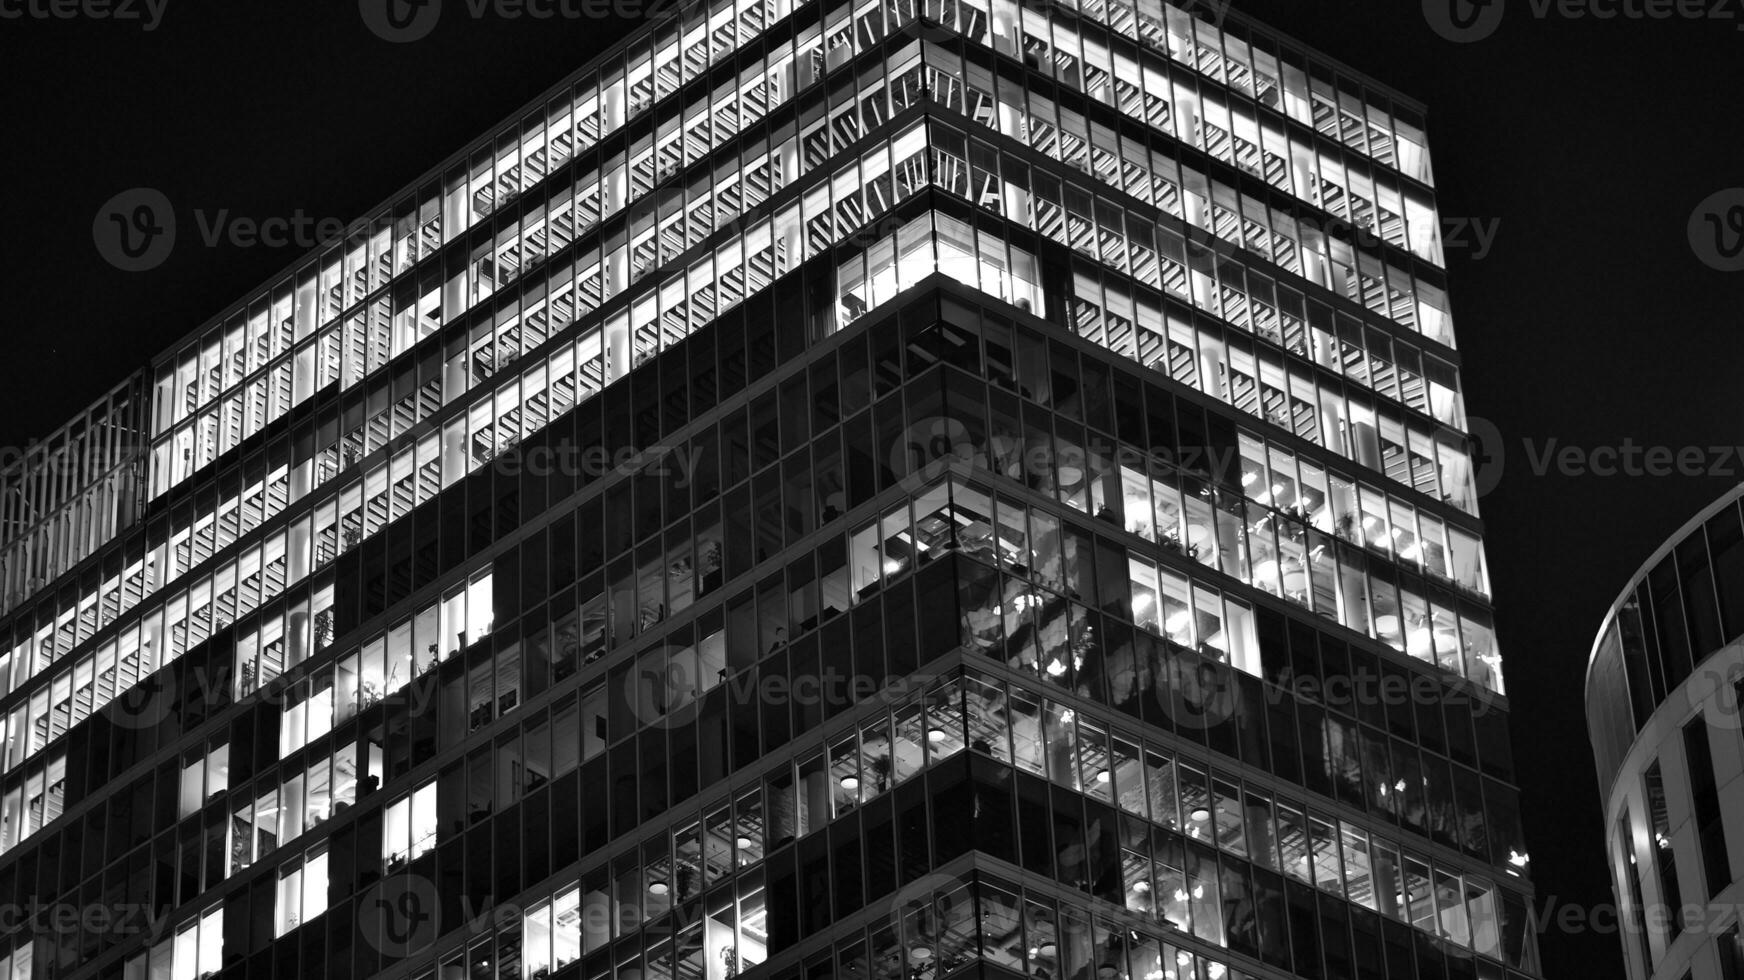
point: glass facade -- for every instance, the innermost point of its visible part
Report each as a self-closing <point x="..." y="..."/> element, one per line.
<point x="1662" y="692"/>
<point x="885" y="488"/>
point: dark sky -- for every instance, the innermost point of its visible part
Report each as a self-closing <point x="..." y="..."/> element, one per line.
<point x="1591" y="319"/>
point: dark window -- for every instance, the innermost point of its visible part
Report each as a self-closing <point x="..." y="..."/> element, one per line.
<point x="1731" y="952"/>
<point x="1674" y="648"/>
<point x="1669" y="895"/>
<point x="1705" y="797"/>
<point x="1698" y="595"/>
<point x="1726" y="546"/>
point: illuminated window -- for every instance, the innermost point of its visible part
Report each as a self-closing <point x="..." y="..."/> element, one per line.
<point x="302" y="893"/>
<point x="409" y="827"/>
<point x="204" y="777"/>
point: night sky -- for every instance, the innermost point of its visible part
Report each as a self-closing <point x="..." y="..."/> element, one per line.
<point x="1590" y="320"/>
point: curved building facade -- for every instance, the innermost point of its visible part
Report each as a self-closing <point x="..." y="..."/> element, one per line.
<point x="1663" y="691"/>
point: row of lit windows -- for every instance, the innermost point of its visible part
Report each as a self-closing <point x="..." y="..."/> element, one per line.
<point x="1391" y="368"/>
<point x="381" y="667"/>
<point x="1383" y="448"/>
<point x="408" y="454"/>
<point x="1108" y="316"/>
<point x="1291" y="241"/>
<point x="1332" y="581"/>
<point x="333" y="281"/>
<point x="602" y="104"/>
<point x="195" y="952"/>
<point x="1277" y="478"/>
<point x="1048" y="740"/>
<point x="492" y="425"/>
<point x="652" y="669"/>
<point x="1167" y="343"/>
<point x="262" y="654"/>
<point x="1255" y="380"/>
<point x="1274" y="551"/>
<point x="1404" y="619"/>
<point x="939" y="930"/>
<point x="487" y="272"/>
<point x="238" y="513"/>
<point x="390" y="325"/>
<point x="930" y="243"/>
<point x="1301" y="244"/>
<point x="425" y="473"/>
<point x="1249" y="67"/>
<point x="146" y="645"/>
<point x="245" y="673"/>
<point x="382" y="332"/>
<point x="396" y="241"/>
<point x="510" y="326"/>
<point x="1445" y="468"/>
<point x="696" y="290"/>
<point x="286" y="919"/>
<point x="1342" y="508"/>
<point x="1188" y="614"/>
<point x="1179" y="795"/>
<point x="1233" y="132"/>
<point x="71" y="493"/>
<point x="74" y="530"/>
<point x="34" y="801"/>
<point x="283" y="810"/>
<point x="653" y="673"/>
<point x="293" y="661"/>
<point x="348" y="274"/>
<point x="346" y="279"/>
<point x="336" y="695"/>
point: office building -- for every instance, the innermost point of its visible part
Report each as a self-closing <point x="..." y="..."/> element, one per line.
<point x="1662" y="690"/>
<point x="884" y="490"/>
